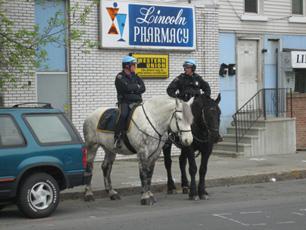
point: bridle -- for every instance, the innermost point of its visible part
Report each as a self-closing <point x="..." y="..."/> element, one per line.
<point x="179" y="131"/>
<point x="159" y="135"/>
<point x="208" y="128"/>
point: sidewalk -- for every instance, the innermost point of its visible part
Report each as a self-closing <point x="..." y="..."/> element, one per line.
<point x="221" y="172"/>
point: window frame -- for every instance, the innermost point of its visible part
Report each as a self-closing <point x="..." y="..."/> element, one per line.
<point x="14" y="122"/>
<point x="257" y="17"/>
<point x="250" y="12"/>
<point x="299" y="78"/>
<point x="303" y="9"/>
<point x="75" y="139"/>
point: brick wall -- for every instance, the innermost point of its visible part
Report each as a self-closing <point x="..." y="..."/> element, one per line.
<point x="299" y="111"/>
<point x="92" y="76"/>
<point x="22" y="14"/>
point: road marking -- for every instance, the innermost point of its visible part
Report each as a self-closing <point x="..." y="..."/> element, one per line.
<point x="296" y="213"/>
<point x="261" y="224"/>
<point x="286" y="222"/>
<point x="230" y="219"/>
<point x="251" y="212"/>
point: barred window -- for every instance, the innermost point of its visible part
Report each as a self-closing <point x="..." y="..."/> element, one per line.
<point x="300" y="81"/>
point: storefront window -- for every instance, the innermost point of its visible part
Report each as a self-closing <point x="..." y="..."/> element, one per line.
<point x="300" y="81"/>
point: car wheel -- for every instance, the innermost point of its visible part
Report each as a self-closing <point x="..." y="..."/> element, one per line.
<point x="38" y="195"/>
<point x="2" y="207"/>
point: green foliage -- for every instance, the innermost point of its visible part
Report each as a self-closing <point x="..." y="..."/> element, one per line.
<point x="22" y="50"/>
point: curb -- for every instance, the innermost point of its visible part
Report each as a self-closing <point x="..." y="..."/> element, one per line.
<point x="293" y="174"/>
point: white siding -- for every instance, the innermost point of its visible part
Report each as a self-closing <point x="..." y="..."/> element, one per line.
<point x="277" y="13"/>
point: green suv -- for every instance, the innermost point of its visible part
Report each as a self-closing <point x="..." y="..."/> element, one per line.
<point x="41" y="153"/>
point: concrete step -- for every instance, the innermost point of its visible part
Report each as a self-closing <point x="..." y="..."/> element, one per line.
<point x="231" y="146"/>
<point x="247" y="139"/>
<point x="224" y="153"/>
<point x="251" y="131"/>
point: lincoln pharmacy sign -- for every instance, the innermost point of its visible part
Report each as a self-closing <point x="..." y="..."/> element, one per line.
<point x="125" y="25"/>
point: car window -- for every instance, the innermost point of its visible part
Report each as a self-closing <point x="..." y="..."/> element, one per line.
<point x="50" y="128"/>
<point x="10" y="134"/>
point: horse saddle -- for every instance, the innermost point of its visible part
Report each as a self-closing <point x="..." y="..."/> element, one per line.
<point x="107" y="124"/>
<point x="108" y="119"/>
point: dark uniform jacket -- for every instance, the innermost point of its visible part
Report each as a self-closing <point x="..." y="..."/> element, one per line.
<point x="188" y="86"/>
<point x="127" y="88"/>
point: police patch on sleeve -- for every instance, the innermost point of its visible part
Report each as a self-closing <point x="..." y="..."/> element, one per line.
<point x="119" y="76"/>
<point x="176" y="79"/>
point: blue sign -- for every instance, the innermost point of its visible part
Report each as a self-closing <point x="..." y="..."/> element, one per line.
<point x="161" y="26"/>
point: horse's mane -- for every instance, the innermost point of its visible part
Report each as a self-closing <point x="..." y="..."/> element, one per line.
<point x="201" y="103"/>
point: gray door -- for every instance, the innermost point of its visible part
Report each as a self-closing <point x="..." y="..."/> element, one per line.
<point x="54" y="89"/>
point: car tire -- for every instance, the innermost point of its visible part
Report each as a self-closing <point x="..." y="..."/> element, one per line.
<point x="38" y="195"/>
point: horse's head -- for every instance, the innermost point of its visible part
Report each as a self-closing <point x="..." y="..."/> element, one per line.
<point x="206" y="114"/>
<point x="181" y="121"/>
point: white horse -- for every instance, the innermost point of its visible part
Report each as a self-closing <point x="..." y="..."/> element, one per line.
<point x="147" y="135"/>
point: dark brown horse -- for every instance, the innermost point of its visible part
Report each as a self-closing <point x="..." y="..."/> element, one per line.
<point x="205" y="130"/>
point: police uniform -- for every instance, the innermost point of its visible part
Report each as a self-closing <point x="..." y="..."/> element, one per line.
<point x="188" y="86"/>
<point x="128" y="92"/>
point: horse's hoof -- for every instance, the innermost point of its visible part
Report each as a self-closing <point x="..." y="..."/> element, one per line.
<point x="115" y="197"/>
<point x="185" y="190"/>
<point x="194" y="197"/>
<point x="89" y="198"/>
<point x="204" y="197"/>
<point x="171" y="191"/>
<point x="152" y="198"/>
<point x="147" y="201"/>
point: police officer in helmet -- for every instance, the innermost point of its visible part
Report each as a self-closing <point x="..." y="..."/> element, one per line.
<point x="129" y="88"/>
<point x="188" y="84"/>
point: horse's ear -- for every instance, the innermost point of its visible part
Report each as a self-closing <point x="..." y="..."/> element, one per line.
<point x="218" y="98"/>
<point x="190" y="101"/>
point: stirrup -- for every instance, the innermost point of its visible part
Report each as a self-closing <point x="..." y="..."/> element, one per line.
<point x="117" y="144"/>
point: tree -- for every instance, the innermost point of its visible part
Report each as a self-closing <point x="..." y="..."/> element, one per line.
<point x="22" y="51"/>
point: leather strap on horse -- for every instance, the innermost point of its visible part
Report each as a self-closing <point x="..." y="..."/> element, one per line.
<point x="159" y="135"/>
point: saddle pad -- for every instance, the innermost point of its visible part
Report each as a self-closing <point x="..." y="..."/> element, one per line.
<point x="108" y="118"/>
<point x="107" y="121"/>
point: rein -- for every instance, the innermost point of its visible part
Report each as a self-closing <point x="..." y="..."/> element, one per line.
<point x="159" y="135"/>
<point x="208" y="128"/>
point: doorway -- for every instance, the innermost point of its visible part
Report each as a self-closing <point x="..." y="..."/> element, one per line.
<point x="247" y="70"/>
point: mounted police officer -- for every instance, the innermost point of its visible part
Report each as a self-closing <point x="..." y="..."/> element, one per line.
<point x="129" y="89"/>
<point x="188" y="84"/>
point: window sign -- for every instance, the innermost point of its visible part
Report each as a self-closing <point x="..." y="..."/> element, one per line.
<point x="298" y="59"/>
<point x="152" y="65"/>
<point x="126" y="25"/>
